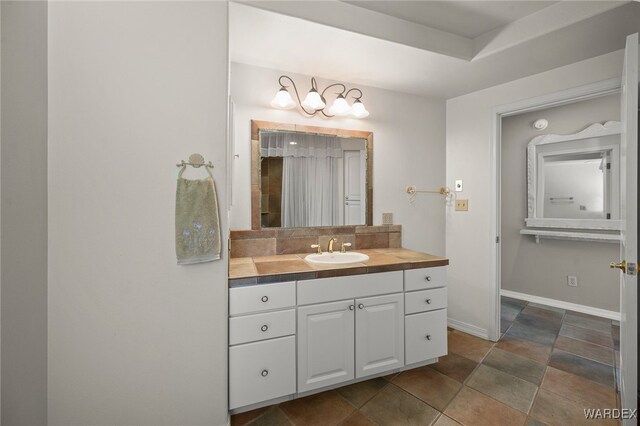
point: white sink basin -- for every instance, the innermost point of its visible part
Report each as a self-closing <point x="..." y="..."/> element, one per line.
<point x="337" y="258"/>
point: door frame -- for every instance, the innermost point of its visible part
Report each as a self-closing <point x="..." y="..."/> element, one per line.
<point x="563" y="97"/>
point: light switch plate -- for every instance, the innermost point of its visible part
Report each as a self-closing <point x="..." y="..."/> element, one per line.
<point x="462" y="205"/>
<point x="458" y="186"/>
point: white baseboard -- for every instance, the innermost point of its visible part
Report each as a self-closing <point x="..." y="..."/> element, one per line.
<point x="562" y="305"/>
<point x="468" y="328"/>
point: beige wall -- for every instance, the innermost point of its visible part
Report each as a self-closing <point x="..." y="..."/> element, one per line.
<point x="542" y="269"/>
<point x="469" y="239"/>
<point x="134" y="87"/>
<point x="24" y="213"/>
<point x="408" y="148"/>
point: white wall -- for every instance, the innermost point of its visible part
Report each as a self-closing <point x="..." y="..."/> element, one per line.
<point x="134" y="87"/>
<point x="408" y="148"/>
<point x="542" y="269"/>
<point x="469" y="240"/>
<point x="24" y="213"/>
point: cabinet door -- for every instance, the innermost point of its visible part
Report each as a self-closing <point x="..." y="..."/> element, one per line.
<point x="379" y="334"/>
<point x="325" y="344"/>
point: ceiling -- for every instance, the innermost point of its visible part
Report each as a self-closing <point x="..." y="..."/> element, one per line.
<point x="464" y="53"/>
<point x="465" y="18"/>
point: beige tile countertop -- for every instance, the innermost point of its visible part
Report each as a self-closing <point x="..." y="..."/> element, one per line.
<point x="289" y="267"/>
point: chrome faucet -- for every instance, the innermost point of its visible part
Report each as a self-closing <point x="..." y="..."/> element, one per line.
<point x="330" y="248"/>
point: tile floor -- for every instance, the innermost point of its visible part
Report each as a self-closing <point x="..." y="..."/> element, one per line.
<point x="548" y="366"/>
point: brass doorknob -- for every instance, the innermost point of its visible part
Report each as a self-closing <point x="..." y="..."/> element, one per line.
<point x="622" y="265"/>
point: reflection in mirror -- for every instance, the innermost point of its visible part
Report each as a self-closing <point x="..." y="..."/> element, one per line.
<point x="308" y="176"/>
<point x="575" y="186"/>
<point x="311" y="179"/>
<point x="574" y="180"/>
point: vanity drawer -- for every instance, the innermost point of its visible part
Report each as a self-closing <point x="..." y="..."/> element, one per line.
<point x="261" y="297"/>
<point x="423" y="278"/>
<point x="262" y="371"/>
<point x="425" y="336"/>
<point x="425" y="300"/>
<point x="251" y="328"/>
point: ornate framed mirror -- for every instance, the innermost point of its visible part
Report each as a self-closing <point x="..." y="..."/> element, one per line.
<point x="573" y="181"/>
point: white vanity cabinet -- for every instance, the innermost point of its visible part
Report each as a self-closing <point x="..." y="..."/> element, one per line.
<point x="359" y="335"/>
<point x="290" y="339"/>
<point x="426" y="314"/>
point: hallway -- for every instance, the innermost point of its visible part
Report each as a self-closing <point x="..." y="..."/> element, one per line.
<point x="549" y="365"/>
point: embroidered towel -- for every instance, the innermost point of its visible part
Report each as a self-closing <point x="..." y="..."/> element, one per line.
<point x="197" y="220"/>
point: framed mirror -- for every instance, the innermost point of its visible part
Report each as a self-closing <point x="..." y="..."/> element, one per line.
<point x="574" y="180"/>
<point x="307" y="176"/>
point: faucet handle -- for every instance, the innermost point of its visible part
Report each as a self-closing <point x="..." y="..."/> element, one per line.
<point x="317" y="247"/>
<point x="344" y="246"/>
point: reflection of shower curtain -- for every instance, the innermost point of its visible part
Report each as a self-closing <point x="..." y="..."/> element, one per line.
<point x="310" y="193"/>
<point x="310" y="187"/>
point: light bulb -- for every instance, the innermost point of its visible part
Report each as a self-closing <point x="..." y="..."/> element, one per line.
<point x="313" y="101"/>
<point x="340" y="107"/>
<point x="282" y="100"/>
<point x="358" y="110"/>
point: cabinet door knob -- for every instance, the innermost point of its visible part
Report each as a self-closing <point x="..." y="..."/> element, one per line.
<point x="265" y="327"/>
<point x="351" y="307"/>
<point x="265" y="299"/>
<point x="360" y="306"/>
<point x="428" y="278"/>
<point x="264" y="373"/>
<point x="428" y="337"/>
<point x="428" y="301"/>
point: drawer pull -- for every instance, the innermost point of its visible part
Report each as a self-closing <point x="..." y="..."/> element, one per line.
<point x="264" y="373"/>
<point x="265" y="327"/>
<point x="351" y="307"/>
<point x="428" y="278"/>
<point x="428" y="301"/>
<point x="265" y="299"/>
<point x="428" y="337"/>
<point x="360" y="306"/>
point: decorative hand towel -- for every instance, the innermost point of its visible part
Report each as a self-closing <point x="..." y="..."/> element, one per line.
<point x="197" y="220"/>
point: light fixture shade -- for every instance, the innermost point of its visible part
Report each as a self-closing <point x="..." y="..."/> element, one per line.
<point x="358" y="110"/>
<point x="283" y="100"/>
<point x="340" y="107"/>
<point x="313" y="100"/>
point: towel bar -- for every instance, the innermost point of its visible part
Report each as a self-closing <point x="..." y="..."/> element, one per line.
<point x="195" y="160"/>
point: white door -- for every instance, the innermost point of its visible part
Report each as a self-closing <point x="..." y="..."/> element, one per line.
<point x="379" y="334"/>
<point x="629" y="216"/>
<point x="325" y="344"/>
<point x="353" y="197"/>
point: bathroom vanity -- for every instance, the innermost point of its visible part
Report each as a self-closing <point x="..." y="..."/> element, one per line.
<point x="297" y="328"/>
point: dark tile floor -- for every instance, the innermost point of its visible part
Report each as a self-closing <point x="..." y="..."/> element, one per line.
<point x="548" y="366"/>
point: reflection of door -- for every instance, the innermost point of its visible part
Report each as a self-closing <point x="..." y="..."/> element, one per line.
<point x="353" y="184"/>
<point x="629" y="216"/>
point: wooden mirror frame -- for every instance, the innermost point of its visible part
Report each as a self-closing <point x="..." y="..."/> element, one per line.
<point x="257" y="126"/>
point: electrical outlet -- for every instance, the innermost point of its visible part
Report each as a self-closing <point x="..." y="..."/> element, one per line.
<point x="462" y="205"/>
<point x="572" y="281"/>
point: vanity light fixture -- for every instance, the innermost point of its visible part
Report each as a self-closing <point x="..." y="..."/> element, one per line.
<point x="315" y="101"/>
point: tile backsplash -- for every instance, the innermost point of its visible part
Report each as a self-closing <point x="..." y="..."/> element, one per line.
<point x="269" y="242"/>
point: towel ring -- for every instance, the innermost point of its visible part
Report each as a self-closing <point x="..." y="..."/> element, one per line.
<point x="195" y="160"/>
